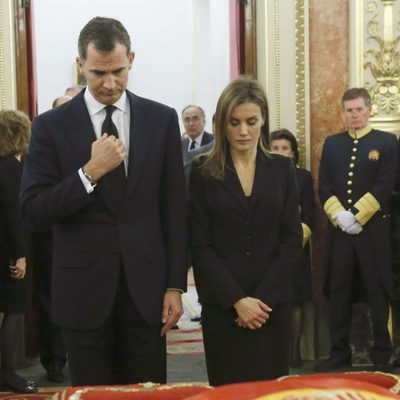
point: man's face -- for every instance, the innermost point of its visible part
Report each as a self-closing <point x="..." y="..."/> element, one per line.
<point x="194" y="122"/>
<point x="106" y="73"/>
<point x="356" y="113"/>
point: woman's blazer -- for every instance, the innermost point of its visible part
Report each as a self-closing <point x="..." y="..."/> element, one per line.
<point x="245" y="246"/>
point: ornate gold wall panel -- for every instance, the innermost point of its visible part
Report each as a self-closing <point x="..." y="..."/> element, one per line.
<point x="283" y="61"/>
<point x="375" y="57"/>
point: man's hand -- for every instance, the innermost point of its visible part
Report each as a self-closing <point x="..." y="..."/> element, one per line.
<point x="172" y="310"/>
<point x="252" y="313"/>
<point x="18" y="270"/>
<point x="345" y="219"/>
<point x="355" y="229"/>
<point x="107" y="153"/>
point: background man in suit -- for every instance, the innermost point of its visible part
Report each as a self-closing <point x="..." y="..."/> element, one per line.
<point x="105" y="170"/>
<point x="194" y="120"/>
<point x="356" y="178"/>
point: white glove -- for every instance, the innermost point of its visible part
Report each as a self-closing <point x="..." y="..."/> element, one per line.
<point x="345" y="220"/>
<point x="355" y="229"/>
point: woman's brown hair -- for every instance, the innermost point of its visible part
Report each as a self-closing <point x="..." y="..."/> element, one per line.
<point x="239" y="91"/>
<point x="15" y="130"/>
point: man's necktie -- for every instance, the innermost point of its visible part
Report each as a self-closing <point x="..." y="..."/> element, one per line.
<point x="116" y="179"/>
<point x="108" y="124"/>
<point x="192" y="145"/>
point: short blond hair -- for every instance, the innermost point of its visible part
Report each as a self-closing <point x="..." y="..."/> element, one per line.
<point x="15" y="130"/>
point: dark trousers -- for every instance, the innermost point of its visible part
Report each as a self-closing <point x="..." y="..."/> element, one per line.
<point x="52" y="349"/>
<point x="351" y="255"/>
<point x="125" y="349"/>
<point x="236" y="354"/>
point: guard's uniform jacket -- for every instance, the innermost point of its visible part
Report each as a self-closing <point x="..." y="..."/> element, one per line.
<point x="357" y="173"/>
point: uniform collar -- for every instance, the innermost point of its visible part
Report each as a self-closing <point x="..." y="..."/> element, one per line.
<point x="360" y="133"/>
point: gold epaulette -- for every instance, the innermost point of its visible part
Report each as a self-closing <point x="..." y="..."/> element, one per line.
<point x="331" y="207"/>
<point x="367" y="206"/>
<point x="306" y="233"/>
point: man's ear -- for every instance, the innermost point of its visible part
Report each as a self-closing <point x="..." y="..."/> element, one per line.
<point x="131" y="57"/>
<point x="79" y="64"/>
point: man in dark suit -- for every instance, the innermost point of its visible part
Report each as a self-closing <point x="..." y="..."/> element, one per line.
<point x="356" y="178"/>
<point x="105" y="171"/>
<point x="194" y="120"/>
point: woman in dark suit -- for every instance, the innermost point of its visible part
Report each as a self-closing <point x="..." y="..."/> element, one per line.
<point x="14" y="137"/>
<point x="245" y="237"/>
<point x="285" y="143"/>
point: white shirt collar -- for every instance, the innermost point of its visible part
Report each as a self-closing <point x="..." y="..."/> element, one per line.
<point x="94" y="106"/>
<point x="199" y="139"/>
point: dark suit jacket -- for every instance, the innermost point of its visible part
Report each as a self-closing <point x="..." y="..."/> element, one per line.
<point x="245" y="247"/>
<point x="207" y="138"/>
<point x="147" y="235"/>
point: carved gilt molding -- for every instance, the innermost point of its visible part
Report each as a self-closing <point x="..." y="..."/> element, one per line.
<point x="375" y="40"/>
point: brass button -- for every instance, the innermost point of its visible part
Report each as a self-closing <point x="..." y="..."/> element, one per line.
<point x="349" y="182"/>
<point x="349" y="191"/>
<point x="356" y="141"/>
<point x="351" y="165"/>
<point x="349" y="201"/>
<point x="353" y="157"/>
<point x="351" y="174"/>
<point x="354" y="149"/>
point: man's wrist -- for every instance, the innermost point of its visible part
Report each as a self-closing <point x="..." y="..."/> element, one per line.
<point x="175" y="290"/>
<point x="89" y="177"/>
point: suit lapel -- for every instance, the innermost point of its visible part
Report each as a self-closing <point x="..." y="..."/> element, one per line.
<point x="262" y="177"/>
<point x="232" y="183"/>
<point x="80" y="129"/>
<point x="142" y="126"/>
<point x="78" y="126"/>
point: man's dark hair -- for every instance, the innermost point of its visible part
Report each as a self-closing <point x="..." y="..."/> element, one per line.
<point x="103" y="33"/>
<point x="355" y="93"/>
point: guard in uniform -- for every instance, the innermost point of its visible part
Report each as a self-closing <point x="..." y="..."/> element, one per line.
<point x="356" y="178"/>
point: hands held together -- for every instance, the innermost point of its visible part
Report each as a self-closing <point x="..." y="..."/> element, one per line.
<point x="347" y="222"/>
<point x="252" y="313"/>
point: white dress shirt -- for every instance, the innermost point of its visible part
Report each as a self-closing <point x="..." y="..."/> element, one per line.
<point x="197" y="141"/>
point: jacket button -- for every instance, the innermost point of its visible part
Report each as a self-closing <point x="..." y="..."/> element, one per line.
<point x="247" y="253"/>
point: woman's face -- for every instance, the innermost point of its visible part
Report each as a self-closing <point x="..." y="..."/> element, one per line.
<point x="244" y="127"/>
<point x="282" y="146"/>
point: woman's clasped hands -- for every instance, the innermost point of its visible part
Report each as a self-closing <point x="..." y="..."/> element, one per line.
<point x="252" y="313"/>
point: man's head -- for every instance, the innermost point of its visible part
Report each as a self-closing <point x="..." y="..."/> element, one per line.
<point x="105" y="58"/>
<point x="72" y="91"/>
<point x="356" y="105"/>
<point x="61" y="100"/>
<point x="194" y="120"/>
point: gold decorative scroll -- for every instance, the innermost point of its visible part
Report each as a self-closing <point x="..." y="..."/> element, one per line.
<point x="380" y="59"/>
